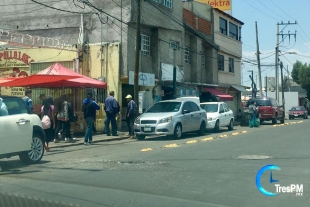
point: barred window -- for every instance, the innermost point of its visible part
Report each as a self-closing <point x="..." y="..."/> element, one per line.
<point x="168" y="3"/>
<point x="145" y="44"/>
<point x="186" y="54"/>
<point x="174" y="44"/>
<point x="231" y="65"/>
<point x="220" y="62"/>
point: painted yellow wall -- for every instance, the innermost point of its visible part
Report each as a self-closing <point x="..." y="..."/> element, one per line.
<point x="110" y="72"/>
<point x="16" y="63"/>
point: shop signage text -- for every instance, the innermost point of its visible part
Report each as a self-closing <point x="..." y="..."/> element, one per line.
<point x="16" y="55"/>
<point x="220" y="4"/>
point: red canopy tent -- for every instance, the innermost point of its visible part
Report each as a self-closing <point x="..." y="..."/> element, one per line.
<point x="56" y="76"/>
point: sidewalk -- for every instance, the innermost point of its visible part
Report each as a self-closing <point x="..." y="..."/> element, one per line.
<point x="98" y="137"/>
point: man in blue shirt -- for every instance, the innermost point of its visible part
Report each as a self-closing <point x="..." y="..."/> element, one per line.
<point x="130" y="115"/>
<point x="28" y="101"/>
<point x="111" y="109"/>
<point x="89" y="108"/>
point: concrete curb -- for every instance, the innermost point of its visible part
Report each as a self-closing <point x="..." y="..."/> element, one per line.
<point x="80" y="141"/>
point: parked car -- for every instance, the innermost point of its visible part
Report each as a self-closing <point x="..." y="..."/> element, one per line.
<point x="219" y="115"/>
<point x="268" y="109"/>
<point x="298" y="112"/>
<point x="172" y="117"/>
<point x="21" y="133"/>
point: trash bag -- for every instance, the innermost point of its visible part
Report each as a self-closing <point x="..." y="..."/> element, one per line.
<point x="256" y="122"/>
<point x="253" y="122"/>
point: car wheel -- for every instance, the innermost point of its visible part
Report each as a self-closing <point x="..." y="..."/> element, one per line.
<point x="231" y="125"/>
<point x="217" y="126"/>
<point x="282" y="119"/>
<point x="177" y="131"/>
<point x="305" y="116"/>
<point x="261" y="121"/>
<point x="274" y="120"/>
<point x="140" y="137"/>
<point x="36" y="153"/>
<point x="202" y="129"/>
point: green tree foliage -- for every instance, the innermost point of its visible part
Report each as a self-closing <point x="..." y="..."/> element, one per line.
<point x="301" y="75"/>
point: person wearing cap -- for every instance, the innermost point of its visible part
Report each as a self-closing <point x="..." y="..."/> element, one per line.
<point x="28" y="101"/>
<point x="130" y="115"/>
<point x="111" y="109"/>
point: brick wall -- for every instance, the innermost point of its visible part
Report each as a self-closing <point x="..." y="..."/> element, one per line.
<point x="202" y="25"/>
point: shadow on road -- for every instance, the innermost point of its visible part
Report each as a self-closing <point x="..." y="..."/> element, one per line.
<point x="13" y="166"/>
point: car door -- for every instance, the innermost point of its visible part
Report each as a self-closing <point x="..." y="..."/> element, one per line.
<point x="15" y="128"/>
<point x="228" y="113"/>
<point x="186" y="117"/>
<point x="279" y="109"/>
<point x="222" y="115"/>
<point x="195" y="115"/>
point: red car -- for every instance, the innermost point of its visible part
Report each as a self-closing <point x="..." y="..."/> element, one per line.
<point x="298" y="112"/>
<point x="269" y="109"/>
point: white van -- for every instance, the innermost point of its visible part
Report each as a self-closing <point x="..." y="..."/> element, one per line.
<point x="190" y="98"/>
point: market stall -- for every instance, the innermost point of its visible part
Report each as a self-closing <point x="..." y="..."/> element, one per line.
<point x="63" y="81"/>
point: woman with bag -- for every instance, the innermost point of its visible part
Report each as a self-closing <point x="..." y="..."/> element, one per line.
<point x="48" y="121"/>
<point x="62" y="118"/>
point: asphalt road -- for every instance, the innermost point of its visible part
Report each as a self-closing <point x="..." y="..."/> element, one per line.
<point x="193" y="171"/>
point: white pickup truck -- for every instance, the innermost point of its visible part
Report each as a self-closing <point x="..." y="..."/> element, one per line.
<point x="20" y="133"/>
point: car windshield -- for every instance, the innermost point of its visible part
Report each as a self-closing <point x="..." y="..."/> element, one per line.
<point x="298" y="108"/>
<point x="211" y="108"/>
<point x="162" y="107"/>
<point x="260" y="102"/>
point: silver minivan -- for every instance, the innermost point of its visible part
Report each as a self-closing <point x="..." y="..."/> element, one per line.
<point x="172" y="117"/>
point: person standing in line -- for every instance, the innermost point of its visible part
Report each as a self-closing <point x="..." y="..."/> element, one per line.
<point x="89" y="108"/>
<point x="130" y="115"/>
<point x="252" y="111"/>
<point x="62" y="117"/>
<point x="28" y="101"/>
<point x="111" y="109"/>
<point x="42" y="97"/>
<point x="48" y="110"/>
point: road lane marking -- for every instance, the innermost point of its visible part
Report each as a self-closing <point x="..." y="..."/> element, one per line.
<point x="243" y="132"/>
<point x="191" y="142"/>
<point x="146" y="149"/>
<point x="170" y="145"/>
<point x="235" y="133"/>
<point x="207" y="139"/>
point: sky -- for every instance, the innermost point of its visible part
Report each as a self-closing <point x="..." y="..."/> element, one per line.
<point x="267" y="13"/>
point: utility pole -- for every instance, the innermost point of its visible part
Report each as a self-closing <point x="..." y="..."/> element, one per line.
<point x="277" y="52"/>
<point x="174" y="83"/>
<point x="138" y="48"/>
<point x="258" y="61"/>
<point x="107" y="48"/>
<point x="101" y="72"/>
<point x="283" y="100"/>
<point x="266" y="85"/>
<point x="288" y="79"/>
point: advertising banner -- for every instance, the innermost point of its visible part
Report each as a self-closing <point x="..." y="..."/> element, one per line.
<point x="220" y="4"/>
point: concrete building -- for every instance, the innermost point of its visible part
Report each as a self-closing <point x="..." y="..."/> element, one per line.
<point x="221" y="73"/>
<point x="206" y="57"/>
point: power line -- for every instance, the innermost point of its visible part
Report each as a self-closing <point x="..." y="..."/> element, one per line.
<point x="260" y="11"/>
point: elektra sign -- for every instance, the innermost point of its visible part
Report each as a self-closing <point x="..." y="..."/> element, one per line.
<point x="296" y="189"/>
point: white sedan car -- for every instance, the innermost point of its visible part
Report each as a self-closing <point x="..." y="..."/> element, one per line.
<point x="21" y="133"/>
<point x="173" y="117"/>
<point x="219" y="115"/>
